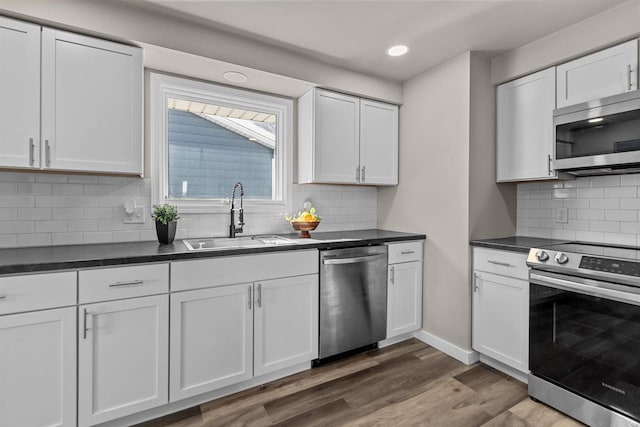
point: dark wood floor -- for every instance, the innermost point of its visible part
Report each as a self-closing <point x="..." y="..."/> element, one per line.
<point x="408" y="384"/>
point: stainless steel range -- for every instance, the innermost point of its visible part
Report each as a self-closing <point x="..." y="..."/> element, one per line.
<point x="584" y="332"/>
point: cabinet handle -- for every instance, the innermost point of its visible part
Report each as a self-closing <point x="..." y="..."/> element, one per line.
<point x="31" y="155"/>
<point x="2" y="297"/>
<point x="84" y="327"/>
<point x="393" y="275"/>
<point x="47" y="148"/>
<point x="407" y="252"/>
<point x="131" y="283"/>
<point x="549" y="164"/>
<point x="358" y="173"/>
<point x="475" y="282"/>
<point x="629" y="77"/>
<point x="362" y="174"/>
<point x="250" y="296"/>
<point x="259" y="295"/>
<point x="504" y="264"/>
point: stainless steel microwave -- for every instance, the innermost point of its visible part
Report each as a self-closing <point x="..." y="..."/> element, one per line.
<point x="599" y="137"/>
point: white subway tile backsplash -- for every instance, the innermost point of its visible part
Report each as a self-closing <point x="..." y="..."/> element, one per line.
<point x="621" y="192"/>
<point x="621" y="215"/>
<point x="61" y="209"/>
<point x="603" y="209"/>
<point x="590" y="193"/>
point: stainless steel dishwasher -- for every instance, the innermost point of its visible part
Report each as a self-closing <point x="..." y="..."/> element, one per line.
<point x="353" y="300"/>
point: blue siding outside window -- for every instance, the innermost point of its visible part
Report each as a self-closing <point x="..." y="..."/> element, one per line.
<point x="211" y="158"/>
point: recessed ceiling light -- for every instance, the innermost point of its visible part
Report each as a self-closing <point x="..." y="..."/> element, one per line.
<point x="596" y="120"/>
<point x="398" y="50"/>
<point x="234" y="76"/>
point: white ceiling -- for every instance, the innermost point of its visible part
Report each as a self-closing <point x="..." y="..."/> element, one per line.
<point x="355" y="34"/>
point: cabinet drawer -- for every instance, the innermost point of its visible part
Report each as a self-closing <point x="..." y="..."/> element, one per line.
<point x="205" y="273"/>
<point x="123" y="282"/>
<point x="513" y="264"/>
<point x="37" y="291"/>
<point x="405" y="252"/>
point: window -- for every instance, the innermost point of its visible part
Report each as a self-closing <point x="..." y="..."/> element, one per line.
<point x="206" y="137"/>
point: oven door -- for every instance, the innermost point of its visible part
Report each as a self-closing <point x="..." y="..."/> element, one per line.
<point x="584" y="336"/>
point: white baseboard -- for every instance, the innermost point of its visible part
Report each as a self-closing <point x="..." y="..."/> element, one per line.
<point x="520" y="376"/>
<point x="468" y="357"/>
<point x="395" y="340"/>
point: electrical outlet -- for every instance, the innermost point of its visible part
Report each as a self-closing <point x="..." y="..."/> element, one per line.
<point x="562" y="215"/>
<point x="136" y="218"/>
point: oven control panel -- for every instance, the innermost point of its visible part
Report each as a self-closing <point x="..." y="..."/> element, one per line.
<point x="628" y="268"/>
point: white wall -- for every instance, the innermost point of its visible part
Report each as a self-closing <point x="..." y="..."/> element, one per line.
<point x="432" y="196"/>
<point x="607" y="28"/>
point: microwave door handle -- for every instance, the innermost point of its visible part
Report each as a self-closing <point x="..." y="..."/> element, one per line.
<point x="596" y="291"/>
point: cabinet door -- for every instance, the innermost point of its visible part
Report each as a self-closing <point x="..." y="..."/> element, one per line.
<point x="378" y="143"/>
<point x="38" y="369"/>
<point x="525" y="142"/>
<point x="501" y="319"/>
<point x="336" y="155"/>
<point x="605" y="73"/>
<point x="91" y="104"/>
<point x="123" y="358"/>
<point x="286" y="323"/>
<point x="211" y="339"/>
<point x="404" y="298"/>
<point x="20" y="89"/>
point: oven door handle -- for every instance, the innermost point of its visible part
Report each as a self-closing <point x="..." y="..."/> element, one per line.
<point x="597" y="289"/>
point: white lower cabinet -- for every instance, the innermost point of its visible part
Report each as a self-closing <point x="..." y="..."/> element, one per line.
<point x="227" y="334"/>
<point x="38" y="369"/>
<point x="123" y="358"/>
<point x="404" y="288"/>
<point x="286" y="323"/>
<point x="404" y="298"/>
<point x="211" y="339"/>
<point x="501" y="309"/>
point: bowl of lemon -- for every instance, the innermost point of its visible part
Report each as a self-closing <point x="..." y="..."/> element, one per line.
<point x="304" y="222"/>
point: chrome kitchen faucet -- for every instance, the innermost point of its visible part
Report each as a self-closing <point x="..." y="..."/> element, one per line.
<point x="233" y="229"/>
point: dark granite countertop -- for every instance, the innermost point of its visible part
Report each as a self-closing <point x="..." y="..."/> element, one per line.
<point x="516" y="243"/>
<point x="32" y="259"/>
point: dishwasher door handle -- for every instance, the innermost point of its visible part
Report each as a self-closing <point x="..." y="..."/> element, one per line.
<point x="354" y="260"/>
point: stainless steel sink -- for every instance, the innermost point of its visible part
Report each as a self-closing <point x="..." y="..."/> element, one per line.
<point x="236" y="242"/>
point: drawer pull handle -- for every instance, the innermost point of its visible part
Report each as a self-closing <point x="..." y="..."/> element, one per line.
<point x="131" y="283"/>
<point x="504" y="264"/>
<point x="2" y="297"/>
<point x="407" y="252"/>
<point x="84" y="328"/>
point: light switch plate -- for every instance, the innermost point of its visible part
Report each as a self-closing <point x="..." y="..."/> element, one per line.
<point x="137" y="217"/>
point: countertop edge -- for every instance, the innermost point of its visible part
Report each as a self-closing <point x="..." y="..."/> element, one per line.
<point x="72" y="264"/>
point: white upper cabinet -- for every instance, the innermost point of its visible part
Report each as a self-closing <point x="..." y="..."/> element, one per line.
<point x="91" y="104"/>
<point x="20" y="89"/>
<point x="525" y="149"/>
<point x="378" y="143"/>
<point x="343" y="139"/>
<point x="604" y="73"/>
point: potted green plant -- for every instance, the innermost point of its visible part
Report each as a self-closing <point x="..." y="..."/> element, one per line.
<point x="166" y="217"/>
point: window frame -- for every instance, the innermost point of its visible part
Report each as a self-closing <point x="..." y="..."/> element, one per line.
<point x="162" y="87"/>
